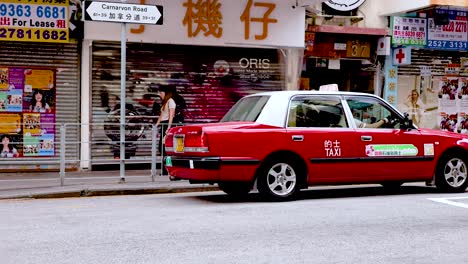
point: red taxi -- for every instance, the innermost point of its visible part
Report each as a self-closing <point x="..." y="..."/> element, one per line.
<point x="284" y="141"/>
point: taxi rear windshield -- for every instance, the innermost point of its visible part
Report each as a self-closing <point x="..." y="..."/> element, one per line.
<point x="246" y="109"/>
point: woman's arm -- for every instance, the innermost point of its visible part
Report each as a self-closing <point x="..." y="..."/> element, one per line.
<point x="172" y="108"/>
<point x="171" y="117"/>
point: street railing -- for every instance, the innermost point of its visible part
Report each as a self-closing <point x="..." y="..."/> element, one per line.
<point x="102" y="147"/>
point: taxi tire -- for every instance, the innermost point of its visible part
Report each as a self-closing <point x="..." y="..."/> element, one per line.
<point x="444" y="166"/>
<point x="235" y="188"/>
<point x="263" y="175"/>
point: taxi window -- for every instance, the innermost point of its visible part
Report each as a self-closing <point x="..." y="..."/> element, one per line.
<point x="316" y="111"/>
<point x="367" y="111"/>
<point x="246" y="109"/>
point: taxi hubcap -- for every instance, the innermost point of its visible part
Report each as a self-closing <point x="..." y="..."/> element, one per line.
<point x="455" y="172"/>
<point x="281" y="179"/>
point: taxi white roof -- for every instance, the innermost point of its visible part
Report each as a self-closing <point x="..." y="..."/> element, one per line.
<point x="276" y="109"/>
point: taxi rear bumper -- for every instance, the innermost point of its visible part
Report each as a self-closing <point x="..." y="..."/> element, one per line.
<point x="211" y="169"/>
<point x="205" y="163"/>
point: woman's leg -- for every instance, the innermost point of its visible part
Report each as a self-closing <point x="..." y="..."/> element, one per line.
<point x="162" y="130"/>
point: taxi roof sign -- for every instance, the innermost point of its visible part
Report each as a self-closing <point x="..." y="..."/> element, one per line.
<point x="329" y="87"/>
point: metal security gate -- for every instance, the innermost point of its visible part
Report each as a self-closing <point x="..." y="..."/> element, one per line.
<point x="210" y="79"/>
<point x="435" y="59"/>
<point x="65" y="59"/>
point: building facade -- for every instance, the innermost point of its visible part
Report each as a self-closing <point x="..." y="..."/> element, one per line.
<point x="214" y="52"/>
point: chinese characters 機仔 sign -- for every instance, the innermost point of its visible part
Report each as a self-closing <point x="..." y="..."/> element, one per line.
<point x="272" y="23"/>
<point x="409" y="31"/>
<point x="35" y="20"/>
<point x="205" y="16"/>
<point x="123" y="13"/>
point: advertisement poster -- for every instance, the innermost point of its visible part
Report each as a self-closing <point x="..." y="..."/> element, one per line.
<point x="463" y="92"/>
<point x="27" y="112"/>
<point x="463" y="123"/>
<point x="452" y="36"/>
<point x="409" y="31"/>
<point x="448" y="120"/>
<point x="3" y="78"/>
<point x="453" y="100"/>
<point x="448" y="88"/>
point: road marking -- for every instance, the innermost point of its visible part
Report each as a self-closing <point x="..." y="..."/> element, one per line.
<point x="447" y="201"/>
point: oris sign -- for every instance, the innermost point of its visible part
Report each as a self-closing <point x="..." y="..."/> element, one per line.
<point x="344" y="5"/>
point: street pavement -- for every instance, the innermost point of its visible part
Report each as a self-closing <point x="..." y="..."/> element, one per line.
<point x="90" y="183"/>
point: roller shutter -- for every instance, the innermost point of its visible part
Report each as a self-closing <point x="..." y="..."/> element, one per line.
<point x="65" y="59"/>
<point x="210" y="79"/>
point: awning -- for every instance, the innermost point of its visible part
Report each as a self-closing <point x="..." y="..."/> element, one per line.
<point x="349" y="30"/>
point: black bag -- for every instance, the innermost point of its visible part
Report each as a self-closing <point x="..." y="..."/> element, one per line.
<point x="180" y="109"/>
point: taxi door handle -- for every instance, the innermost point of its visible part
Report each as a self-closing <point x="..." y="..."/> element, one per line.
<point x="366" y="138"/>
<point x="298" y="138"/>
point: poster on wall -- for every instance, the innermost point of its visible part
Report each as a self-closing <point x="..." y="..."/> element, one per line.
<point x="448" y="120"/>
<point x="448" y="88"/>
<point x="453" y="100"/>
<point x="27" y="112"/>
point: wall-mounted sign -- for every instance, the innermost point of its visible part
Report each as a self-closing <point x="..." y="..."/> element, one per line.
<point x="358" y="49"/>
<point x="452" y="69"/>
<point x="267" y="23"/>
<point x="38" y="21"/>
<point x="402" y="56"/>
<point x="409" y="31"/>
<point x="342" y="46"/>
<point x="384" y="46"/>
<point x="425" y="70"/>
<point x="452" y="36"/>
<point x="344" y="5"/>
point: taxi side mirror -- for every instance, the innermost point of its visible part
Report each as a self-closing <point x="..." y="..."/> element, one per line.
<point x="407" y="123"/>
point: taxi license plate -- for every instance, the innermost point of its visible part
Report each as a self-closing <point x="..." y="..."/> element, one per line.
<point x="179" y="143"/>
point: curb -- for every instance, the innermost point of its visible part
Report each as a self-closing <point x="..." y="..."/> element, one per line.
<point x="103" y="192"/>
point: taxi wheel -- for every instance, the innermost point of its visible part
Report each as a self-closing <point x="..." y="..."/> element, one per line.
<point x="235" y="188"/>
<point x="278" y="180"/>
<point x="452" y="174"/>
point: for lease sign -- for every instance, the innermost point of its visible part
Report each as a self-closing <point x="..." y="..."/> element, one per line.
<point x="38" y="21"/>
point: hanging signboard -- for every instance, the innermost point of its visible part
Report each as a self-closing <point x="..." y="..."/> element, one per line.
<point x="452" y="36"/>
<point x="409" y="31"/>
<point x="38" y="21"/>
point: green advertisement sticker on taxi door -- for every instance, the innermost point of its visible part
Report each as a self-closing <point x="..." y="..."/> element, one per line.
<point x="396" y="150"/>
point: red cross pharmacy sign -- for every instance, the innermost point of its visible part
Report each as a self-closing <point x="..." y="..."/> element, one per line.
<point x="402" y="56"/>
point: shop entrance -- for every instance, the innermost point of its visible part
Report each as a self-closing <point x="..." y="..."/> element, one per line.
<point x="351" y="75"/>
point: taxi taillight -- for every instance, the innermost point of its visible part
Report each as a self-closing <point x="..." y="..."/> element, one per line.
<point x="195" y="141"/>
<point x="189" y="139"/>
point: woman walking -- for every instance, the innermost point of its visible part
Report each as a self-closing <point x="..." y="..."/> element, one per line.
<point x="168" y="108"/>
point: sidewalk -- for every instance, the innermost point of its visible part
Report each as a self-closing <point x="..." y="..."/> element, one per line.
<point x="90" y="183"/>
